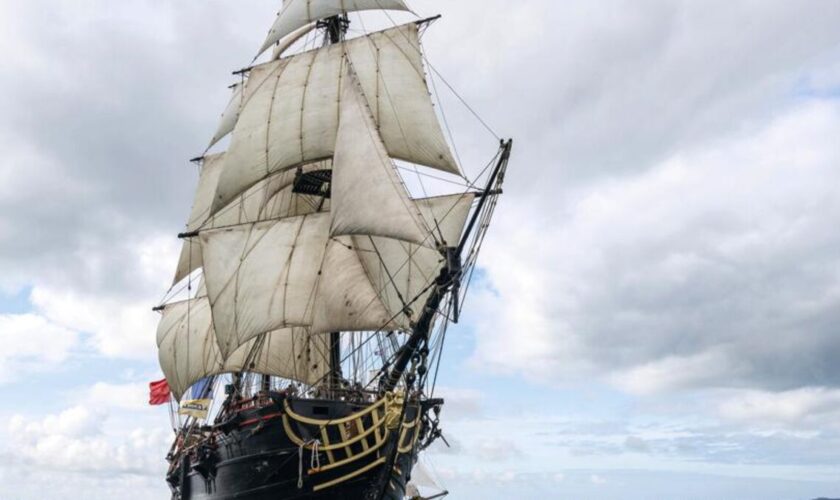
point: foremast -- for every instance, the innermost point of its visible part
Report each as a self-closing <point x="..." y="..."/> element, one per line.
<point x="448" y="281"/>
<point x="447" y="284"/>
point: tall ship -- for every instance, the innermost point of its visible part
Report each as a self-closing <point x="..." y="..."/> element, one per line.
<point x="303" y="334"/>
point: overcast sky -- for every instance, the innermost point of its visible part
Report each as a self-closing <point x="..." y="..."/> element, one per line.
<point x="658" y="310"/>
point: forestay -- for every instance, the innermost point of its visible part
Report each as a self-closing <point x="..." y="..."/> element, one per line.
<point x="297" y="13"/>
<point x="290" y="114"/>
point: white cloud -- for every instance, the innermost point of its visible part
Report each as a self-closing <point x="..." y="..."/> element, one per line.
<point x="676" y="372"/>
<point x="22" y="483"/>
<point x="75" y="422"/>
<point x="680" y="276"/>
<point x="596" y="479"/>
<point x="655" y="231"/>
<point x="799" y="407"/>
<point x="105" y="440"/>
<point x="507" y="477"/>
<point x="131" y="396"/>
<point x="31" y="343"/>
<point x="119" y="329"/>
<point x="73" y="441"/>
<point x="121" y="324"/>
<point x="109" y="430"/>
<point x="496" y="449"/>
<point x="459" y="402"/>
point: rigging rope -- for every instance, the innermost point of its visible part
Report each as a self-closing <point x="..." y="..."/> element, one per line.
<point x="443" y="115"/>
<point x="450" y="87"/>
<point x="314" y="459"/>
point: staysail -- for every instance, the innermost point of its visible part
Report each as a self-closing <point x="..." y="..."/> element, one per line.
<point x="367" y="193"/>
<point x="400" y="271"/>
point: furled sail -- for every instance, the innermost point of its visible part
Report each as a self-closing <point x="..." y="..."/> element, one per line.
<point x="290" y="114"/>
<point x="290" y="39"/>
<point x="188" y="351"/>
<point x="297" y="13"/>
<point x="368" y="196"/>
<point x="229" y="116"/>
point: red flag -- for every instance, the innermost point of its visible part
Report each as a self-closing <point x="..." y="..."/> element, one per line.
<point x="158" y="392"/>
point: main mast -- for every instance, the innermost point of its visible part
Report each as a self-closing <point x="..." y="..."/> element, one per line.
<point x="335" y="29"/>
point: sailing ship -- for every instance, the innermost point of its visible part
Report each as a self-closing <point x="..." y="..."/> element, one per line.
<point x="304" y="330"/>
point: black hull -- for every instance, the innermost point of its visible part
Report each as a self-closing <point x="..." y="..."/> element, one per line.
<point x="247" y="480"/>
<point x="253" y="457"/>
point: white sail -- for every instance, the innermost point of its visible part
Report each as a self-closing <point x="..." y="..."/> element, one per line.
<point x="271" y="198"/>
<point x="401" y="272"/>
<point x="291" y="111"/>
<point x="229" y="116"/>
<point x="297" y="13"/>
<point x="303" y="226"/>
<point x="289" y="40"/>
<point x="347" y="300"/>
<point x="186" y="346"/>
<point x="291" y="353"/>
<point x="291" y="273"/>
<point x="190" y="258"/>
<point x="423" y="477"/>
<point x="446" y="215"/>
<point x="201" y="290"/>
<point x="188" y="351"/>
<point x="288" y="273"/>
<point x="262" y="277"/>
<point x="368" y="197"/>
